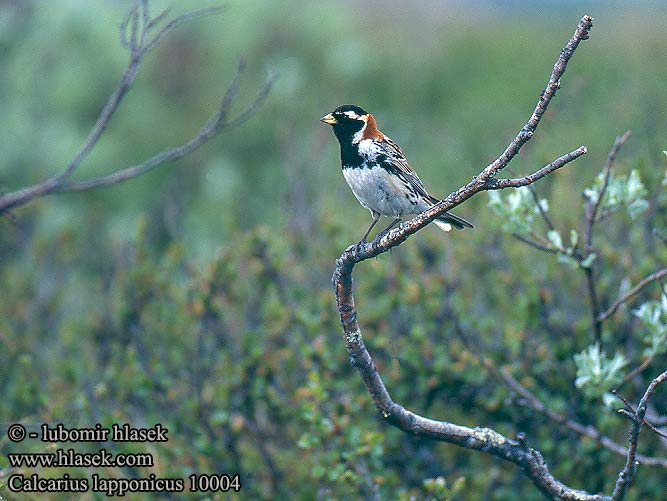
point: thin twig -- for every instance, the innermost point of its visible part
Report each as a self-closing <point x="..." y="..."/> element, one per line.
<point x="595" y="302"/>
<point x="135" y="29"/>
<point x="543" y="213"/>
<point x="213" y="125"/>
<point x="634" y="412"/>
<point x="631" y="293"/>
<point x="592" y="212"/>
<point x="501" y="184"/>
<point x="533" y="402"/>
<point x="627" y="475"/>
<point x="527" y="131"/>
<point x="209" y="11"/>
<point x="637" y="370"/>
<point x="535" y="243"/>
<point x="591" y="218"/>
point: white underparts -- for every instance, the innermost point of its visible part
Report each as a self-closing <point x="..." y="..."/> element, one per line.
<point x="383" y="193"/>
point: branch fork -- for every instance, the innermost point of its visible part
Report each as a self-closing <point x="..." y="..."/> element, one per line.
<point x="139" y="36"/>
<point x="481" y="439"/>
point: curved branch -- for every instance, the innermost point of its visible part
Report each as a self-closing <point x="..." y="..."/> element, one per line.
<point x="529" y="399"/>
<point x="481" y="439"/>
<point x="138" y="37"/>
<point x="631" y="293"/>
<point x="216" y="123"/>
<point x="592" y="210"/>
<point x="485" y="180"/>
<point x="527" y="131"/>
<point x="627" y="475"/>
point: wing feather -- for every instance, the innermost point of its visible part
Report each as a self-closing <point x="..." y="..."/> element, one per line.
<point x="397" y="158"/>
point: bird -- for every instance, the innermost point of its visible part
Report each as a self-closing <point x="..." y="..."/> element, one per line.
<point x="377" y="172"/>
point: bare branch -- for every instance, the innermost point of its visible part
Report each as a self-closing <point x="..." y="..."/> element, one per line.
<point x="124" y="39"/>
<point x="213" y="125"/>
<point x="595" y="303"/>
<point x="527" y="131"/>
<point x="500" y="184"/>
<point x="543" y="213"/>
<point x="627" y="475"/>
<point x="531" y="401"/>
<point x="177" y="22"/>
<point x="135" y="29"/>
<point x="633" y="411"/>
<point x="637" y="370"/>
<point x="592" y="212"/>
<point x="481" y="439"/>
<point x="631" y="293"/>
<point x="152" y="23"/>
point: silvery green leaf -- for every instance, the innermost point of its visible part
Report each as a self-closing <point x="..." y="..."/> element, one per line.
<point x="653" y="315"/>
<point x="597" y="374"/>
<point x="637" y="207"/>
<point x="635" y="187"/>
<point x="609" y="400"/>
<point x="494" y="198"/>
<point x="567" y="259"/>
<point x="574" y="237"/>
<point x="591" y="194"/>
<point x="543" y="205"/>
<point x="555" y="238"/>
<point x="590" y="259"/>
<point x="517" y="209"/>
<point x="614" y="192"/>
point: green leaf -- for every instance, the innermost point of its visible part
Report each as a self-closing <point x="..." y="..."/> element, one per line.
<point x="590" y="259"/>
<point x="574" y="237"/>
<point x="555" y="238"/>
<point x="653" y="315"/>
<point x="596" y="373"/>
<point x="621" y="191"/>
<point x="517" y="210"/>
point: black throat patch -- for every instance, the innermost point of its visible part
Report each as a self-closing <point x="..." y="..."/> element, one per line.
<point x="349" y="155"/>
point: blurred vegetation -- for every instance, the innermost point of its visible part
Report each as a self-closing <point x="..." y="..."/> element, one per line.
<point x="198" y="296"/>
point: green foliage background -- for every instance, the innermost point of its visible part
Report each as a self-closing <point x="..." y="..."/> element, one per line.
<point x="198" y="296"/>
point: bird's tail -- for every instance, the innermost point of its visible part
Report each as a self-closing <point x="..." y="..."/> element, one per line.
<point x="448" y="221"/>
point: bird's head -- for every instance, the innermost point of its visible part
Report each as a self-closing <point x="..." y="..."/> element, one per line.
<point x="351" y="123"/>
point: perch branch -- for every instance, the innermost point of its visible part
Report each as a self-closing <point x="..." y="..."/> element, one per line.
<point x="481" y="439"/>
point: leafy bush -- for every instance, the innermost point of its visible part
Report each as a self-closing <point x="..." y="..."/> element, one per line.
<point x="199" y="296"/>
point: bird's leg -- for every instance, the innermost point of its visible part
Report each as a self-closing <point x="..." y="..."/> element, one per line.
<point x="391" y="225"/>
<point x="376" y="218"/>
